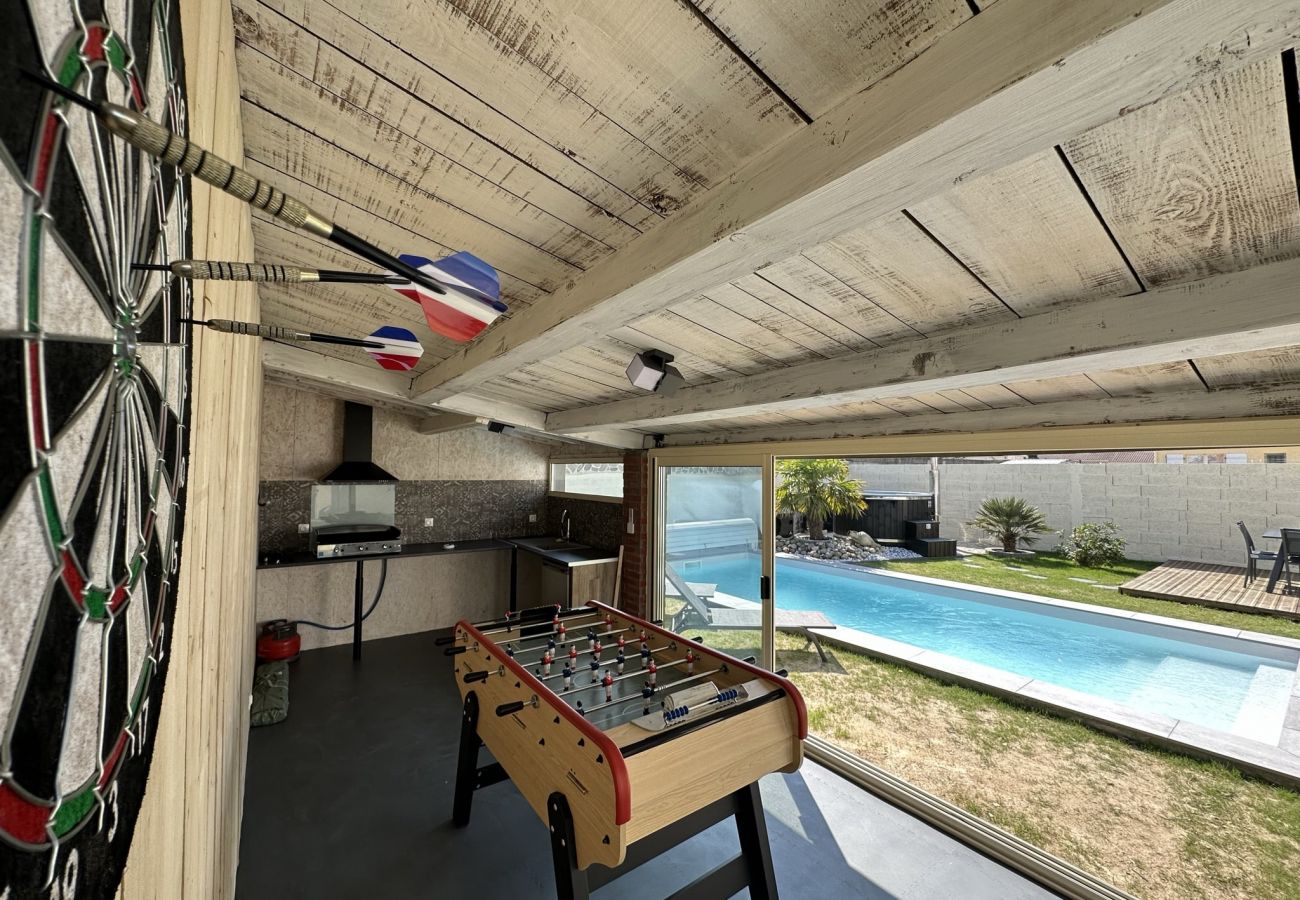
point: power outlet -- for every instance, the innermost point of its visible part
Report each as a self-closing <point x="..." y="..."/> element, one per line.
<point x="304" y="528"/>
<point x="428" y="523"/>
<point x="532" y="518"/>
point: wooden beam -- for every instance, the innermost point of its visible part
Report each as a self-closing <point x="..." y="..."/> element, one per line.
<point x="1237" y="312"/>
<point x="445" y="422"/>
<point x="1018" y="79"/>
<point x="1233" y="403"/>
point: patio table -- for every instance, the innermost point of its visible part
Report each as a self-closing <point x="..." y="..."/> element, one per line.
<point x="1276" y="572"/>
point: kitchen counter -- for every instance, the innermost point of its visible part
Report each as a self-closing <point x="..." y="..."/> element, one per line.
<point x="308" y="557"/>
<point x="571" y="555"/>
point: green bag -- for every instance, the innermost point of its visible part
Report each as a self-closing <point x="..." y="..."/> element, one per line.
<point x="270" y="693"/>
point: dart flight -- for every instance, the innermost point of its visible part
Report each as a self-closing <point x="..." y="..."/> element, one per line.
<point x="471" y="302"/>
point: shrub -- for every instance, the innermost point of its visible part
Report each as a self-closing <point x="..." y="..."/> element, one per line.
<point x="1094" y="544"/>
<point x="1010" y="520"/>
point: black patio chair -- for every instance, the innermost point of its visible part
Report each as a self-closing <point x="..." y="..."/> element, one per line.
<point x="1253" y="557"/>
<point x="1290" y="551"/>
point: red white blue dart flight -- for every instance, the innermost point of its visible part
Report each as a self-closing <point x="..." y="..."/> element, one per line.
<point x="472" y="300"/>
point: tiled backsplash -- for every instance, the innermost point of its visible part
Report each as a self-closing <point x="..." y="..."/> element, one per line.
<point x="592" y="521"/>
<point x="460" y="510"/>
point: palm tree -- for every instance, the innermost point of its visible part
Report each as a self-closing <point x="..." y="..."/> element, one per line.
<point x="816" y="489"/>
<point x="1010" y="520"/>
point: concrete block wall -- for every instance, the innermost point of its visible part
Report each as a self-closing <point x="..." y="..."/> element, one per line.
<point x="1163" y="511"/>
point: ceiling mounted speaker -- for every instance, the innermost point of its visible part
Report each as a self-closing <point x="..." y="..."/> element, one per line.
<point x="650" y="371"/>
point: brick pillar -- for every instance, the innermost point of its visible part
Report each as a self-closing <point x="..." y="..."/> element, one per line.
<point x="636" y="547"/>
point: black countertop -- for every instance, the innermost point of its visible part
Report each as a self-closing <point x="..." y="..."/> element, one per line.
<point x="568" y="556"/>
<point x="308" y="557"/>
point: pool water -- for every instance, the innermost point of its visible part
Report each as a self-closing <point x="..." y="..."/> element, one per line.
<point x="1151" y="669"/>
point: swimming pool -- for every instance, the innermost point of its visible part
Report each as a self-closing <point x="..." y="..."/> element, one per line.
<point x="1220" y="682"/>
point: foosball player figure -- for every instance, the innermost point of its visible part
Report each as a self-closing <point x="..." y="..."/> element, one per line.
<point x="645" y="655"/>
<point x="591" y="638"/>
<point x="573" y="658"/>
<point x="568" y="678"/>
<point x="582" y="712"/>
<point x="619" y="660"/>
<point x="559" y="629"/>
<point x="597" y="650"/>
<point x="510" y="650"/>
<point x="652" y="670"/>
<point x="622" y="643"/>
<point x="595" y="671"/>
<point x="608" y="682"/>
<point x="646" y="693"/>
<point x="546" y="663"/>
<point x="643" y="639"/>
<point x="690" y="663"/>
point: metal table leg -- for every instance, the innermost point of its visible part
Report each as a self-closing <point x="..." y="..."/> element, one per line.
<point x="356" y="610"/>
<point x="1276" y="572"/>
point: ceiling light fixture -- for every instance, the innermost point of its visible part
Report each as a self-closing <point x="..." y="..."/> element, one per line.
<point x="650" y="371"/>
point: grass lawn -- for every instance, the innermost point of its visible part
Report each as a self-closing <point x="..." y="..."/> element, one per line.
<point x="1156" y="824"/>
<point x="1056" y="572"/>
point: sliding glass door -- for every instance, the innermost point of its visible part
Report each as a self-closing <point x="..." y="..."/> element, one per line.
<point x="713" y="553"/>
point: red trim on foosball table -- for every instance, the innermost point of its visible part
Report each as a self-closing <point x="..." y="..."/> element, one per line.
<point x="617" y="765"/>
<point x="791" y="691"/>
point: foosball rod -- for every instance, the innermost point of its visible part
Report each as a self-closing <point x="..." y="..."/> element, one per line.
<point x="560" y="674"/>
<point x="639" y="673"/>
<point x="546" y="632"/>
<point x="674" y="685"/>
<point x="576" y="640"/>
<point x="532" y="617"/>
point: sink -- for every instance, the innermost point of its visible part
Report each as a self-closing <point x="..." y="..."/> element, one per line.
<point x="549" y="543"/>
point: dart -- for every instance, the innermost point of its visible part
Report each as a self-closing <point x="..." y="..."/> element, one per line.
<point x="390" y="346"/>
<point x="220" y="270"/>
<point x="472" y="299"/>
<point x="162" y="144"/>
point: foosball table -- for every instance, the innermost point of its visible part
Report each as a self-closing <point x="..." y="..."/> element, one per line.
<point x="625" y="738"/>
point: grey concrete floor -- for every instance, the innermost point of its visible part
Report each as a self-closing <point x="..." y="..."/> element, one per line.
<point x="351" y="798"/>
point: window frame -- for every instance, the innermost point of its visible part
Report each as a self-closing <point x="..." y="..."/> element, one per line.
<point x="575" y="495"/>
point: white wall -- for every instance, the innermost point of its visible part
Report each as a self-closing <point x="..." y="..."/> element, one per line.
<point x="1164" y="511"/>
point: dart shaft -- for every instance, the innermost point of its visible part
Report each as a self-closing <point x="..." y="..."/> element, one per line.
<point x="276" y="332"/>
<point x="221" y="270"/>
<point x="175" y="150"/>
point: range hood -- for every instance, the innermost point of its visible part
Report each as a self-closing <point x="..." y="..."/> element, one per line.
<point x="358" y="433"/>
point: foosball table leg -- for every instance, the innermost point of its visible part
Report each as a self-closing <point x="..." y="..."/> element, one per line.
<point x="752" y="827"/>
<point x="467" y="763"/>
<point x="570" y="881"/>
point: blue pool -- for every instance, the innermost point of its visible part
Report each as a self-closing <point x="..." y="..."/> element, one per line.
<point x="1224" y="683"/>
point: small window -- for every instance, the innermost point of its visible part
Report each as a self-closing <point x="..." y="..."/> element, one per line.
<point x="1237" y="459"/>
<point x="589" y="478"/>
<point x="1174" y="458"/>
<point x="1274" y="457"/>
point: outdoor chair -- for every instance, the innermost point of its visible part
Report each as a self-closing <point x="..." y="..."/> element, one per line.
<point x="1253" y="556"/>
<point x="1290" y="551"/>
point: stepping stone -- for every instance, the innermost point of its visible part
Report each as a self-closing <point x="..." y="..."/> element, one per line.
<point x="1017" y="569"/>
<point x="1107" y="587"/>
<point x="1039" y="577"/>
<point x="1083" y="580"/>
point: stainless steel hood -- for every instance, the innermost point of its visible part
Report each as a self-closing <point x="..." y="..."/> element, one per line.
<point x="358" y="466"/>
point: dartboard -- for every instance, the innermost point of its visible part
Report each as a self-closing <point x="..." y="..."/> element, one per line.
<point x="93" y="397"/>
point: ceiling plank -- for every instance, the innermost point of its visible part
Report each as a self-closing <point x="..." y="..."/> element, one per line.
<point x="652" y="73"/>
<point x="908" y="275"/>
<point x="1060" y="387"/>
<point x="460" y="167"/>
<point x="1029" y="234"/>
<point x="1176" y="375"/>
<point x="856" y="314"/>
<point x="1277" y="366"/>
<point x="774" y="309"/>
<point x="673" y="333"/>
<point x="819" y="51"/>
<point x="1200" y="183"/>
<point x="1015" y="80"/>
<point x="1236" y="312"/>
<point x="1230" y="403"/>
<point x="706" y="312"/>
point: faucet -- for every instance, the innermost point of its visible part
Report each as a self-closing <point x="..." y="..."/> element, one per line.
<point x="566" y="524"/>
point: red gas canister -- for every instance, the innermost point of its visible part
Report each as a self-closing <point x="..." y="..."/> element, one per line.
<point x="279" y="640"/>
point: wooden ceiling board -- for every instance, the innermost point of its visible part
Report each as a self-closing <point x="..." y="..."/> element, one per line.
<point x="1029" y="234"/>
<point x="907" y="406"/>
<point x="534" y="396"/>
<point x="701" y="343"/>
<point x="304" y="162"/>
<point x="802" y="321"/>
<point x="432" y="111"/>
<point x="939" y="402"/>
<point x="1280" y="366"/>
<point x="820" y="51"/>
<point x="1200" y="183"/>
<point x="611" y="358"/>
<point x="1048" y="390"/>
<point x="611" y="71"/>
<point x="717" y="317"/>
<point x="853" y="312"/>
<point x="902" y="271"/>
<point x="541" y="211"/>
<point x="995" y="396"/>
<point x="1174" y="376"/>
<point x="709" y="366"/>
<point x="551" y="377"/>
<point x="849" y="412"/>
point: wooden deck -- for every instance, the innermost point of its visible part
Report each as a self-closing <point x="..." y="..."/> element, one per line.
<point x="1208" y="584"/>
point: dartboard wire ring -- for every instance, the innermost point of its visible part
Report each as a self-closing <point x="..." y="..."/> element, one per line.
<point x="127" y="428"/>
